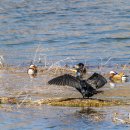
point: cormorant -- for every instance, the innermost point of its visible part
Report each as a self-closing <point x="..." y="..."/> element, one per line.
<point x="86" y="87"/>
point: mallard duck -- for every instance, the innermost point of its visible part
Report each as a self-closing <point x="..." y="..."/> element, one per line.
<point x="32" y="71"/>
<point x="86" y="87"/>
<point x="114" y="76"/>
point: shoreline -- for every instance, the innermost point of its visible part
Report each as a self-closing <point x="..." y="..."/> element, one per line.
<point x="20" y="85"/>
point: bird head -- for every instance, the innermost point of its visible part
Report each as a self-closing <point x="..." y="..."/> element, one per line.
<point x="79" y="66"/>
<point x="112" y="73"/>
<point x="34" y="67"/>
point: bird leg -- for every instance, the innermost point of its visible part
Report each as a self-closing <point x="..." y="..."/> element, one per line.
<point x="84" y="97"/>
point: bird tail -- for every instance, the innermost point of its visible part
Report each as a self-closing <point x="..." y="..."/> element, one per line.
<point x="97" y="92"/>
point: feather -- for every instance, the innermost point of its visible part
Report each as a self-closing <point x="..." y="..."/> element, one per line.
<point x="96" y="80"/>
<point x="65" y="79"/>
<point x="86" y="87"/>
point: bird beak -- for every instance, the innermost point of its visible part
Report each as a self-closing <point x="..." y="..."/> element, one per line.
<point x="76" y="67"/>
<point x="73" y="70"/>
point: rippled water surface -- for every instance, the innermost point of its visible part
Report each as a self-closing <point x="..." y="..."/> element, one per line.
<point x="62" y="118"/>
<point x="83" y="30"/>
<point x="79" y="29"/>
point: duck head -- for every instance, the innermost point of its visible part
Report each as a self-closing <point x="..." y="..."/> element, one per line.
<point x="32" y="71"/>
<point x="80" y="68"/>
<point x="34" y="67"/>
<point x="112" y="74"/>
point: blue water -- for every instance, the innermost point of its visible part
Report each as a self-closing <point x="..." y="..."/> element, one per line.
<point x="70" y="30"/>
<point x="82" y="30"/>
<point x="61" y="118"/>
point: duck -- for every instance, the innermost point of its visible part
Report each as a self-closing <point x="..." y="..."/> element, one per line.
<point x="114" y="76"/>
<point x="87" y="87"/>
<point x="32" y="71"/>
<point x="79" y="69"/>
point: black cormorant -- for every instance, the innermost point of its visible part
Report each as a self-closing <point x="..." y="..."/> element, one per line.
<point x="86" y="87"/>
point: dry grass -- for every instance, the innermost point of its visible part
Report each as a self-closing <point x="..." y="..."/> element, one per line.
<point x="55" y="71"/>
<point x="85" y="103"/>
<point x="8" y="100"/>
<point x="70" y="102"/>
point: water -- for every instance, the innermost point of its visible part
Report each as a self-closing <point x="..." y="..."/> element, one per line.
<point x="81" y="30"/>
<point x="62" y="118"/>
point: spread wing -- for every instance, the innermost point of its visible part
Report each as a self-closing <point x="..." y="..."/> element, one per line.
<point x="66" y="79"/>
<point x="96" y="80"/>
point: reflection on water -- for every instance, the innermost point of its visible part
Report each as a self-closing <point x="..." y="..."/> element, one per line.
<point x="90" y="114"/>
<point x="112" y="84"/>
<point x="59" y="118"/>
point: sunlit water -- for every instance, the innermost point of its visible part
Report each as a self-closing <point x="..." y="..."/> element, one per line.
<point x="82" y="30"/>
